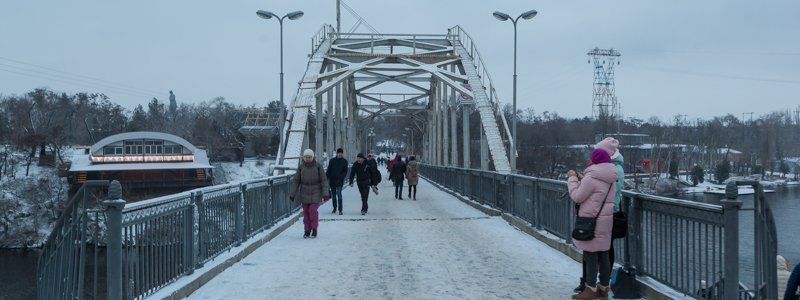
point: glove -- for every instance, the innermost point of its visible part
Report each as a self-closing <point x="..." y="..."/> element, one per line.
<point x="326" y="198"/>
<point x="291" y="198"/>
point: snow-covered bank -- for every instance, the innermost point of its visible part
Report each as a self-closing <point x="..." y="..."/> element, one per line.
<point x="229" y="172"/>
<point x="29" y="205"/>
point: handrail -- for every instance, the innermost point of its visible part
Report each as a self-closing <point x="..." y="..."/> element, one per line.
<point x="468" y="43"/>
<point x="689" y="246"/>
<point x="61" y="268"/>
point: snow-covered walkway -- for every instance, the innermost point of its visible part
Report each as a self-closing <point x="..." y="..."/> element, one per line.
<point x="434" y="248"/>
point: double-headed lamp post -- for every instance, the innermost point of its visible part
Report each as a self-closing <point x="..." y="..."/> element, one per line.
<point x="505" y="17"/>
<point x="291" y="16"/>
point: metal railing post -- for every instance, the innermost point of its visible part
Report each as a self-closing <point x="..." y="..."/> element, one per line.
<point x="636" y="223"/>
<point x="114" y="208"/>
<point x="197" y="200"/>
<point x="190" y="242"/>
<point x="730" y="279"/>
<point x="537" y="204"/>
<point x="240" y="236"/>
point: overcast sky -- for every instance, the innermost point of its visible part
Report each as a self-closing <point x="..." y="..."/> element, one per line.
<point x="700" y="58"/>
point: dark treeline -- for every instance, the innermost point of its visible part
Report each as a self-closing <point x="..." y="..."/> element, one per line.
<point x="51" y="121"/>
<point x="45" y="120"/>
<point x="764" y="142"/>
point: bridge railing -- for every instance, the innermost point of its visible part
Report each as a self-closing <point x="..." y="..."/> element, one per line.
<point x="688" y="246"/>
<point x="72" y="247"/>
<point x="324" y="32"/>
<point x="166" y="238"/>
<point x="457" y="34"/>
<point x="151" y="243"/>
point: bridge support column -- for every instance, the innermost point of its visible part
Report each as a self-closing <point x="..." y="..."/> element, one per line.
<point x="318" y="128"/>
<point x="352" y="138"/>
<point x="453" y="124"/>
<point x="467" y="138"/>
<point x="343" y="121"/>
<point x="330" y="147"/>
<point x="484" y="151"/>
<point x="445" y="126"/>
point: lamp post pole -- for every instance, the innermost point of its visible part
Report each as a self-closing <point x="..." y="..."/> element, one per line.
<point x="281" y="124"/>
<point x="505" y="17"/>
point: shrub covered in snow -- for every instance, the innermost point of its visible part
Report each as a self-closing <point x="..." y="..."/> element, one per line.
<point x="29" y="206"/>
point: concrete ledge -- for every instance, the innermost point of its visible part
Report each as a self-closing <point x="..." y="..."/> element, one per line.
<point x="190" y="283"/>
<point x="485" y="209"/>
<point x="545" y="237"/>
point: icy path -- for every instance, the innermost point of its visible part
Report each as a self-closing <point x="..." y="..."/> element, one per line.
<point x="434" y="248"/>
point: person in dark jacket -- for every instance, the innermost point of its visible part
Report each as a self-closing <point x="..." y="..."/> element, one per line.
<point x="397" y="176"/>
<point x="337" y="174"/>
<point x="376" y="174"/>
<point x="363" y="175"/>
<point x="310" y="184"/>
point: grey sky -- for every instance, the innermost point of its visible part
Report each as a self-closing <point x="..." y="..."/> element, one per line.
<point x="700" y="58"/>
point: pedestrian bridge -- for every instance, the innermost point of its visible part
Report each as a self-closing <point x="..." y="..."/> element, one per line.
<point x="472" y="233"/>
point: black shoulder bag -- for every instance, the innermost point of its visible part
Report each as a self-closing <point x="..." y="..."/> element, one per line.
<point x="585" y="226"/>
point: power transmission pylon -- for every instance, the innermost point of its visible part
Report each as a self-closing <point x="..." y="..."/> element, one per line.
<point x="604" y="100"/>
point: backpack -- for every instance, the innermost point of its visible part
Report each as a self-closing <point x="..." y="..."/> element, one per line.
<point x="412" y="173"/>
<point x="376" y="176"/>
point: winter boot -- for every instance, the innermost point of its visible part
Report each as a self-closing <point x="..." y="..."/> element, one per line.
<point x="580" y="287"/>
<point x="334" y="210"/>
<point x="363" y="213"/>
<point x="313" y="233"/>
<point x="588" y="293"/>
<point x="340" y="212"/>
<point x="305" y="235"/>
<point x="602" y="292"/>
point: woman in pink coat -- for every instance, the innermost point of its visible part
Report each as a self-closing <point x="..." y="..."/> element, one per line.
<point x="594" y="192"/>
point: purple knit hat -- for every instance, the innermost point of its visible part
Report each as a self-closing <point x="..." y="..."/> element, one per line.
<point x="600" y="156"/>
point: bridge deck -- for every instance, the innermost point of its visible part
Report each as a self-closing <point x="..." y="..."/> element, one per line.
<point x="435" y="247"/>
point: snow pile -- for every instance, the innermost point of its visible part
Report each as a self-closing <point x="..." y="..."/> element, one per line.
<point x="228" y="172"/>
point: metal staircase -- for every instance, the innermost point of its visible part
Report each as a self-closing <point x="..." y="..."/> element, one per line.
<point x="485" y="102"/>
<point x="297" y="119"/>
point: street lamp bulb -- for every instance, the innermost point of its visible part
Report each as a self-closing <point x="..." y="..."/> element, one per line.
<point x="501" y="16"/>
<point x="294" y="15"/>
<point x="529" y="14"/>
<point x="265" y="14"/>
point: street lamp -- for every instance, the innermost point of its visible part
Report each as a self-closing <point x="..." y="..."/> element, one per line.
<point x="412" y="139"/>
<point x="291" y="16"/>
<point x="505" y="17"/>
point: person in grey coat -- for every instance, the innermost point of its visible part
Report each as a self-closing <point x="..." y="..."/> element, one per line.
<point x="311" y="185"/>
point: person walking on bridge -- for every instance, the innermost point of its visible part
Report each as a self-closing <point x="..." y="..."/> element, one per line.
<point x="594" y="193"/>
<point x="311" y="185"/>
<point x="337" y="174"/>
<point x="360" y="171"/>
<point x="412" y="174"/>
<point x="397" y="176"/>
